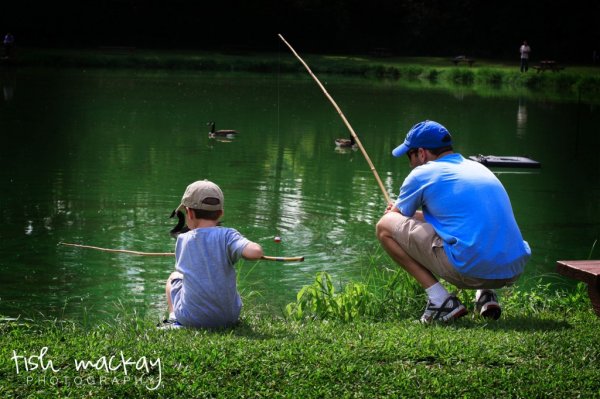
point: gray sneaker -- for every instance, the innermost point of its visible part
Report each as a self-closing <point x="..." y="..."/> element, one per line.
<point x="487" y="305"/>
<point x="450" y="310"/>
<point x="169" y="324"/>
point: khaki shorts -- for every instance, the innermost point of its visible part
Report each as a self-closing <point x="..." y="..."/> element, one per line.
<point x="420" y="241"/>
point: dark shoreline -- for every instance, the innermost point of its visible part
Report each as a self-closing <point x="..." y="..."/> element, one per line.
<point x="578" y="82"/>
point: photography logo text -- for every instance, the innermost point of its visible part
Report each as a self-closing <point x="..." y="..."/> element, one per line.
<point x="40" y="369"/>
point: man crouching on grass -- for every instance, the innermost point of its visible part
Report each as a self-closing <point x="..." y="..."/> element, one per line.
<point x="465" y="232"/>
<point x="202" y="291"/>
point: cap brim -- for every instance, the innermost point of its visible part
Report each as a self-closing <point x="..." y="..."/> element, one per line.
<point x="181" y="208"/>
<point x="400" y="150"/>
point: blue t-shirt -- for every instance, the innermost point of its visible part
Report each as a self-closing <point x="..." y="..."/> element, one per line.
<point x="209" y="296"/>
<point x="470" y="210"/>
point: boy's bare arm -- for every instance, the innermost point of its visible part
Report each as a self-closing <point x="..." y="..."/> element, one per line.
<point x="252" y="251"/>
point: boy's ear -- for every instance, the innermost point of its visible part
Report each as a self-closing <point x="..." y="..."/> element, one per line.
<point x="190" y="213"/>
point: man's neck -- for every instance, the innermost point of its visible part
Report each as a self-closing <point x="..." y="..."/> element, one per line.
<point x="443" y="154"/>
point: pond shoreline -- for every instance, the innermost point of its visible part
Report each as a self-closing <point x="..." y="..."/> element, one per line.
<point x="581" y="83"/>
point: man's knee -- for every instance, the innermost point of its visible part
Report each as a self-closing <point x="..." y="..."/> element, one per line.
<point x="385" y="227"/>
<point x="381" y="228"/>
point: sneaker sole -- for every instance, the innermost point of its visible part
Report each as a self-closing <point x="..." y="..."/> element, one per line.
<point x="491" y="311"/>
<point x="455" y="315"/>
<point x="429" y="315"/>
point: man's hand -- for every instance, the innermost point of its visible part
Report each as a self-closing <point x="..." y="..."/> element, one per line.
<point x="391" y="208"/>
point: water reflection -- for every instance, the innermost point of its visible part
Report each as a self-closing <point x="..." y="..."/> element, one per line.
<point x="521" y="118"/>
<point x="8" y="82"/>
<point x="346" y="150"/>
<point x="8" y="91"/>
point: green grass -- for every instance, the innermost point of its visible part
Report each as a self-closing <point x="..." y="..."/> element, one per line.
<point x="551" y="352"/>
<point x="353" y="339"/>
<point x="350" y="339"/>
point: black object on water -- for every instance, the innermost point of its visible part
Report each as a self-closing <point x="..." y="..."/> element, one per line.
<point x="222" y="132"/>
<point x="506" y="161"/>
<point x="180" y="227"/>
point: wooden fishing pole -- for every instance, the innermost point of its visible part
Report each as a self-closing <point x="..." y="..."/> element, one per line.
<point x="139" y="253"/>
<point x="339" y="111"/>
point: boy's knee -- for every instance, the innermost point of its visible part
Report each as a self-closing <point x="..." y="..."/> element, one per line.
<point x="175" y="275"/>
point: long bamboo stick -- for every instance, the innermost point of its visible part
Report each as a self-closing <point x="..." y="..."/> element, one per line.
<point x="139" y="253"/>
<point x="122" y="251"/>
<point x="339" y="111"/>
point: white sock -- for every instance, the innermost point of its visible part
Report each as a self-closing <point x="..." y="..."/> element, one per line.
<point x="437" y="294"/>
<point x="478" y="295"/>
<point x="172" y="316"/>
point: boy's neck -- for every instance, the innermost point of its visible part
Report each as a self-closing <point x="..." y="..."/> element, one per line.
<point x="201" y="223"/>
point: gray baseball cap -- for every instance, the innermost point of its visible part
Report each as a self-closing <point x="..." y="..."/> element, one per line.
<point x="197" y="193"/>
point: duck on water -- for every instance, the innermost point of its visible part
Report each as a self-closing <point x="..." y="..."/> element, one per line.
<point x="349" y="142"/>
<point x="220" y="133"/>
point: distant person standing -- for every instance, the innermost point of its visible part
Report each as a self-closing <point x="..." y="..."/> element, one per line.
<point x="525" y="50"/>
<point x="9" y="42"/>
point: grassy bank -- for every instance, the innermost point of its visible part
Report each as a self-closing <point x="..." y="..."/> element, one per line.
<point x="579" y="82"/>
<point x="543" y="346"/>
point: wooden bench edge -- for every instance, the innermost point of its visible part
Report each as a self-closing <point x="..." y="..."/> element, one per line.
<point x="568" y="268"/>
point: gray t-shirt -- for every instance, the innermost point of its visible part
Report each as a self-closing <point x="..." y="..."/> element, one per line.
<point x="209" y="296"/>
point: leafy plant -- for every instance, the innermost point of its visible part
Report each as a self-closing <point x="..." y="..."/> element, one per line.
<point x="319" y="300"/>
<point x="386" y="293"/>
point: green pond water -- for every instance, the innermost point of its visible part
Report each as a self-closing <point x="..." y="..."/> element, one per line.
<point x="102" y="158"/>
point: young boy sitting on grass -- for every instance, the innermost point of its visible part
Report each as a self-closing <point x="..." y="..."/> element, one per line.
<point x="202" y="291"/>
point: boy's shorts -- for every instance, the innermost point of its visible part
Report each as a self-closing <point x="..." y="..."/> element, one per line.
<point x="176" y="286"/>
<point x="420" y="241"/>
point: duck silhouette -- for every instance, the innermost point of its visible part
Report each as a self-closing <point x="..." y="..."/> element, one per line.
<point x="220" y="133"/>
<point x="181" y="226"/>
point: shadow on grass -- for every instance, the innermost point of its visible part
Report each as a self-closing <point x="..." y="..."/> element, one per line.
<point x="245" y="328"/>
<point x="530" y="323"/>
<point x="517" y="323"/>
